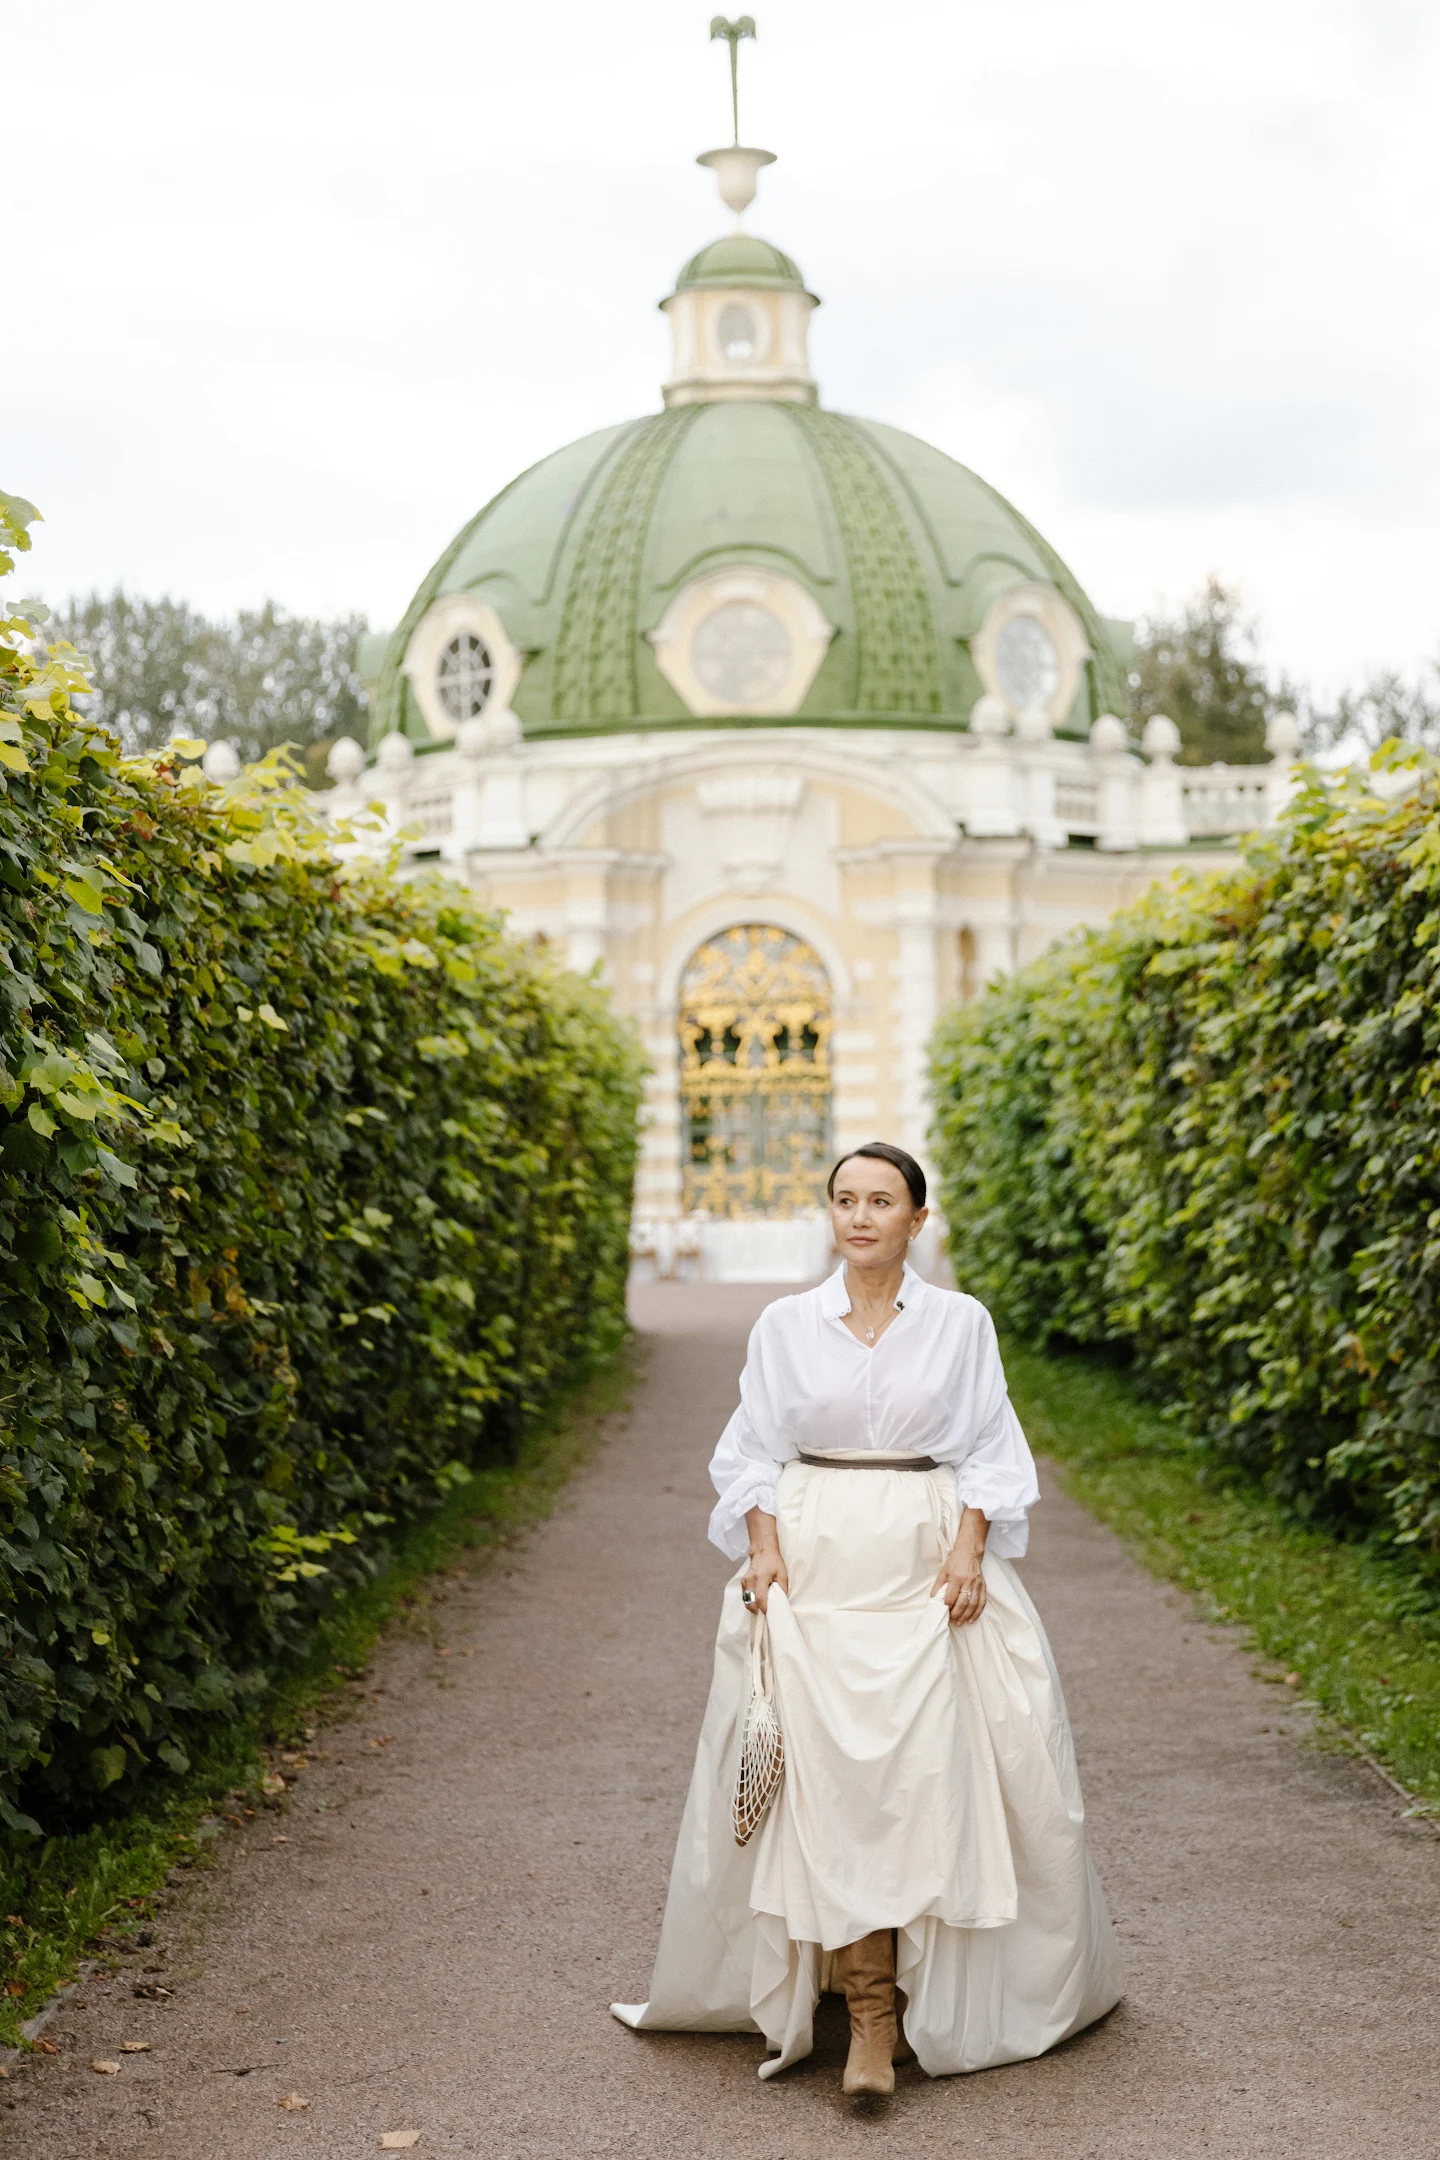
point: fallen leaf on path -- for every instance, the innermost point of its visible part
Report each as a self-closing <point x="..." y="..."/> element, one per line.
<point x="106" y="2069"/>
<point x="47" y="2047"/>
<point x="135" y="2047"/>
<point x="279" y="1840"/>
<point x="294" y="2102"/>
<point x="383" y="1740"/>
<point x="1292" y="1679"/>
<point x="398" y="2140"/>
<point x="270" y="1783"/>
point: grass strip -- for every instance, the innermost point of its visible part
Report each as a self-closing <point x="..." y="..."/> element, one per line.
<point x="69" y="1898"/>
<point x="1357" y="1629"/>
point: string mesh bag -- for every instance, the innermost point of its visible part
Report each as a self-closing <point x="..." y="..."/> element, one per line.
<point x="762" y="1747"/>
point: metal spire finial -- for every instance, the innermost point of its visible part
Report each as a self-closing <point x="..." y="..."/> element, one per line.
<point x="732" y="32"/>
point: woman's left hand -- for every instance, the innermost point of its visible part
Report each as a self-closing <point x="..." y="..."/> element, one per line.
<point x="961" y="1580"/>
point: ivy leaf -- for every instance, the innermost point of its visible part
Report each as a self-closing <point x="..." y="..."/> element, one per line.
<point x="46" y="1074"/>
<point x="85" y="893"/>
<point x="40" y="1243"/>
<point x="85" y="1107"/>
<point x="14" y="1819"/>
<point x="107" y="1765"/>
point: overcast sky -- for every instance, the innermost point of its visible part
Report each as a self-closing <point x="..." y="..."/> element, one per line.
<point x="305" y="283"/>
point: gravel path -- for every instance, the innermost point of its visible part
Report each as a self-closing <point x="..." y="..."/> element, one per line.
<point x="435" y="1945"/>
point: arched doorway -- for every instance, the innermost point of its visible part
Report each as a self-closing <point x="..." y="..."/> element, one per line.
<point x="754" y="1024"/>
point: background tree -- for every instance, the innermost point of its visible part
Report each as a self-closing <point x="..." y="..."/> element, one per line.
<point x="262" y="678"/>
<point x="1202" y="667"/>
<point x="1387" y="708"/>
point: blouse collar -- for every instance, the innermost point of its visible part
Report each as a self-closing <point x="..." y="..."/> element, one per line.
<point x="835" y="1298"/>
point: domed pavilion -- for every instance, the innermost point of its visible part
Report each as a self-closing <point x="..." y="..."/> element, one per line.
<point x="792" y="727"/>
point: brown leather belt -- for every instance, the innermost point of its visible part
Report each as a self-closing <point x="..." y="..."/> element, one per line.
<point x="869" y="1462"/>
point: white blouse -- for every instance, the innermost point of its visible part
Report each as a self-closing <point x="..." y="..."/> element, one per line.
<point x="933" y="1384"/>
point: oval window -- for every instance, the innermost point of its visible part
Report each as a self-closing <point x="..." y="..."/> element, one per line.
<point x="465" y="675"/>
<point x="742" y="654"/>
<point x="1026" y="664"/>
<point x="737" y="332"/>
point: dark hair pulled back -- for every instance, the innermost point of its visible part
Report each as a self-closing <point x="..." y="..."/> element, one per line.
<point x="883" y="1151"/>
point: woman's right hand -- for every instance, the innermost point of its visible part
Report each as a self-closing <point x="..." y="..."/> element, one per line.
<point x="766" y="1565"/>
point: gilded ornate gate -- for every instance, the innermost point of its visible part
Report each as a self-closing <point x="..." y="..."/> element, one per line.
<point x="755" y="1074"/>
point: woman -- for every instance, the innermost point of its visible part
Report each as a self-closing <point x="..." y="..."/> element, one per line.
<point x="928" y="1833"/>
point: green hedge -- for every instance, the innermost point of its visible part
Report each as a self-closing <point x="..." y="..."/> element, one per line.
<point x="1211" y="1132"/>
<point x="313" y="1186"/>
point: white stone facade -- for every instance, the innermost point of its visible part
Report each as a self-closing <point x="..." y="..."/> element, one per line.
<point x="917" y="865"/>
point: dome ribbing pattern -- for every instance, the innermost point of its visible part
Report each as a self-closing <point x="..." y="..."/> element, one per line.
<point x="901" y="549"/>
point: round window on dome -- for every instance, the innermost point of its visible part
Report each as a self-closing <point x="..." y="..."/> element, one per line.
<point x="1027" y="664"/>
<point x="738" y="333"/>
<point x="465" y="676"/>
<point x="742" y="654"/>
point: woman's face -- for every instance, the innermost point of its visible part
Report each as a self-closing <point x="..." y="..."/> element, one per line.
<point x="871" y="1213"/>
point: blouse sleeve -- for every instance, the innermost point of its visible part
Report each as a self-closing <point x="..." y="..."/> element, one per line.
<point x="996" y="1471"/>
<point x="751" y="1452"/>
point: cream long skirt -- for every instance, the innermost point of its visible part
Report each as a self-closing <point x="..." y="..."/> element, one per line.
<point x="930" y="1786"/>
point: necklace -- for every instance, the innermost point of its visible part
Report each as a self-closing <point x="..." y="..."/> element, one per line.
<point x="869" y="1334"/>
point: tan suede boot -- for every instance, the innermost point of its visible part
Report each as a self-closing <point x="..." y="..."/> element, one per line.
<point x="866" y="1971"/>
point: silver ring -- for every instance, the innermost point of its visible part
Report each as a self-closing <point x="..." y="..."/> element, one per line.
<point x="747" y="1597"/>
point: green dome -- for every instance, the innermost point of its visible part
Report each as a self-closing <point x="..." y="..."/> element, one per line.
<point x="902" y="549"/>
<point x="740" y="259"/>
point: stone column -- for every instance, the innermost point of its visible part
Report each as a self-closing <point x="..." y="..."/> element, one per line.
<point x="1162" y="803"/>
<point x="658" y="1176"/>
<point x="586" y="915"/>
<point x="917" y="990"/>
<point x="994" y="951"/>
<point x="1035" y="731"/>
<point x="345" y="764"/>
<point x="502" y="806"/>
<point x="394" y="764"/>
<point x="1116" y="783"/>
<point x="991" y="773"/>
<point x="465" y="792"/>
<point x="1282" y="740"/>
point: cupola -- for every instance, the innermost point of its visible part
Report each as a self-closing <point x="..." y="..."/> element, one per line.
<point x="740" y="320"/>
<point x="739" y="314"/>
